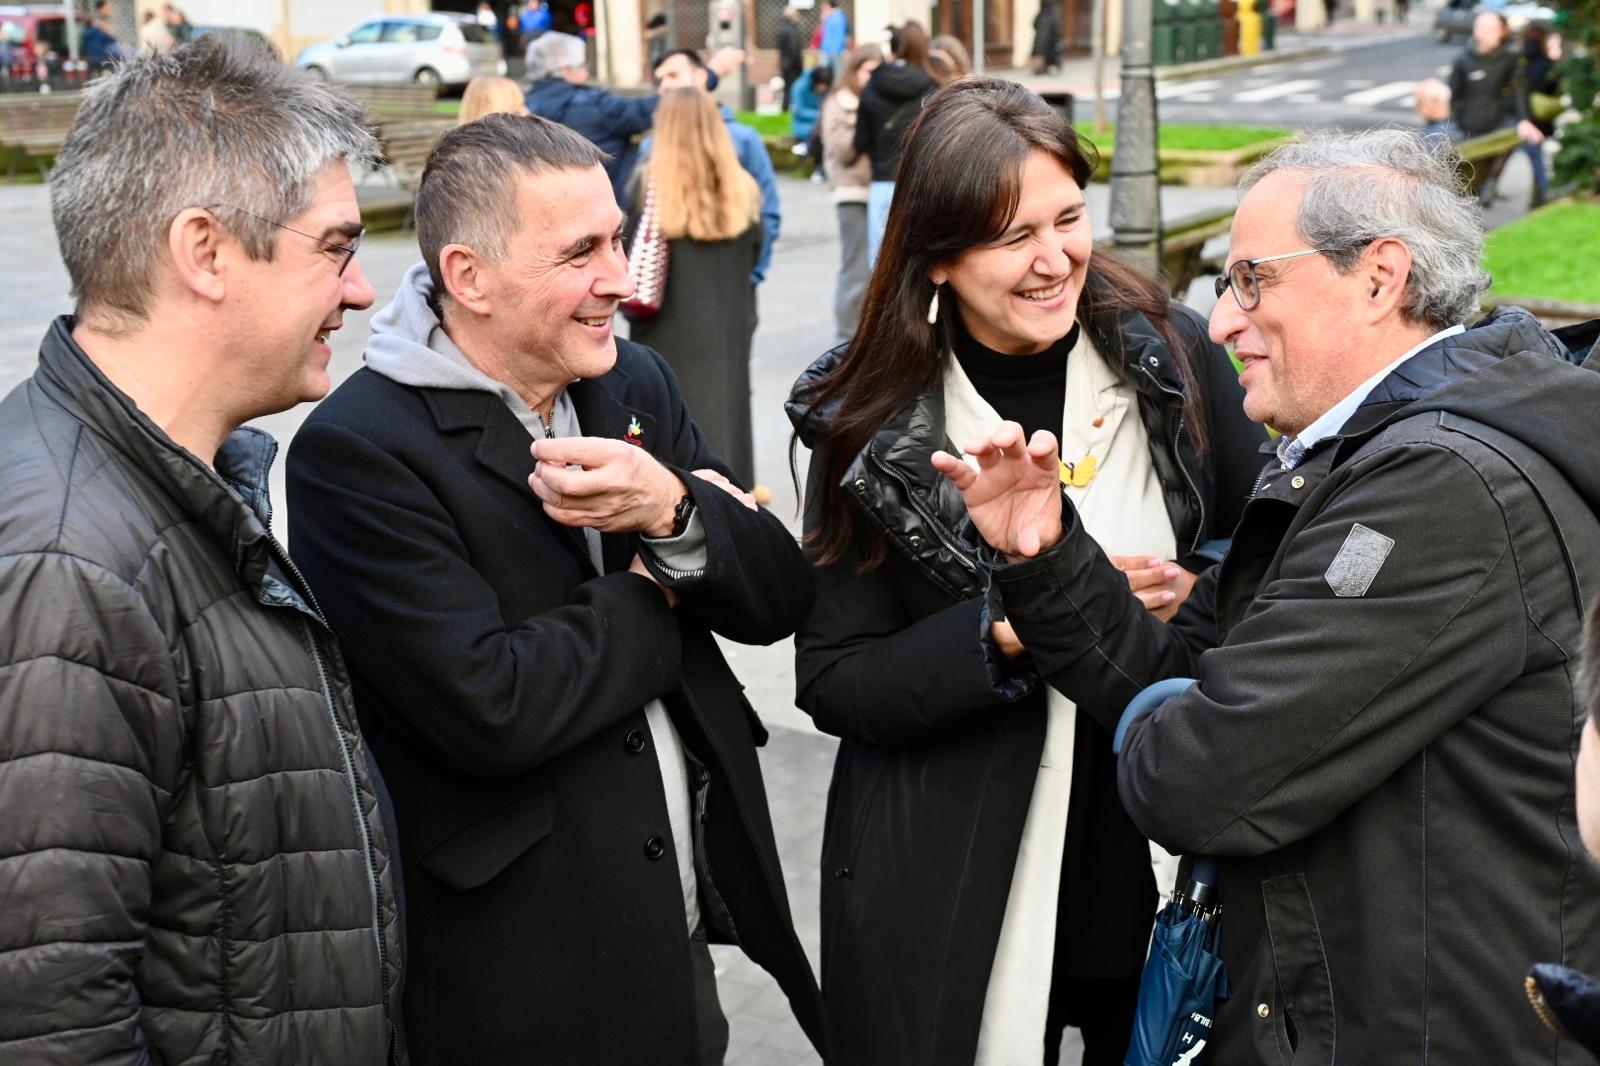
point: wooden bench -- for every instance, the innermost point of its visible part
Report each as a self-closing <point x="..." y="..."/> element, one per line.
<point x="389" y="103"/>
<point x="35" y="125"/>
<point x="1482" y="157"/>
<point x="406" y="146"/>
<point x="1183" y="243"/>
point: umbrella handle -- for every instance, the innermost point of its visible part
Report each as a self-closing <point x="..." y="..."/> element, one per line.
<point x="1147" y="700"/>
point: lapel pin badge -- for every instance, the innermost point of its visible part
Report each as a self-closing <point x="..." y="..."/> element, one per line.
<point x="635" y="433"/>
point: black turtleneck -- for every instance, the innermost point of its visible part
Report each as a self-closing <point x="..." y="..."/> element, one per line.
<point x="1030" y="389"/>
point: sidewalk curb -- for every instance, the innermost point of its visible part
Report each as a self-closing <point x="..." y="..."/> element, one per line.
<point x="1228" y="64"/>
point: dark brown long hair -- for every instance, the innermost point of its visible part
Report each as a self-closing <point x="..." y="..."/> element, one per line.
<point x="957" y="187"/>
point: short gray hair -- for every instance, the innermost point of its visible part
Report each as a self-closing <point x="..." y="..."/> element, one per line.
<point x="469" y="186"/>
<point x="218" y="121"/>
<point x="552" y="52"/>
<point x="1362" y="187"/>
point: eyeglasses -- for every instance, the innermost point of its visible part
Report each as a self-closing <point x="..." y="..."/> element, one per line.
<point x="1241" y="278"/>
<point x="349" y="250"/>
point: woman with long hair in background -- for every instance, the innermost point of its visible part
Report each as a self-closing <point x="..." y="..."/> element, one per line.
<point x="889" y="105"/>
<point x="489" y="95"/>
<point x="982" y="886"/>
<point x="708" y="209"/>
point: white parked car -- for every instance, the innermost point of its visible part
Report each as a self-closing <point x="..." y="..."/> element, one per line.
<point x="439" y="49"/>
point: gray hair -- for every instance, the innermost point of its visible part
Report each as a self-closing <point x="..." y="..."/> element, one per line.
<point x="468" y="191"/>
<point x="1363" y="187"/>
<point x="554" y="52"/>
<point x="216" y="122"/>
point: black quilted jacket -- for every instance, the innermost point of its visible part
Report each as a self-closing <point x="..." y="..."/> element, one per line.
<point x="193" y="868"/>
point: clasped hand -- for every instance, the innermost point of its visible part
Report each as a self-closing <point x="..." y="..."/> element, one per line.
<point x="604" y="484"/>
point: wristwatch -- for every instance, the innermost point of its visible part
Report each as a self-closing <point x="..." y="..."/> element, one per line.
<point x="681" y="515"/>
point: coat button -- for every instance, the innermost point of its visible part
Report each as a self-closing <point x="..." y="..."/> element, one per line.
<point x="916" y="541"/>
<point x="1263" y="1010"/>
<point x="654" y="848"/>
<point x="861" y="484"/>
<point x="841" y="872"/>
<point x="1153" y="361"/>
<point x="633" y="742"/>
<point x="1297" y="482"/>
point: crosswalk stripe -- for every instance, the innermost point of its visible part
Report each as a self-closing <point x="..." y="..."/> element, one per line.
<point x="1379" y="93"/>
<point x="1273" y="92"/>
<point x="1184" y="88"/>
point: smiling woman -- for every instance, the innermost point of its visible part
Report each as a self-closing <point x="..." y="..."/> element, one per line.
<point x="978" y="855"/>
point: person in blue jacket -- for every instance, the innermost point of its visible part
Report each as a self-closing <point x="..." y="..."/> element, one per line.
<point x="558" y="75"/>
<point x="684" y="69"/>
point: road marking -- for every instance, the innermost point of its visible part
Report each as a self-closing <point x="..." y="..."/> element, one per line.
<point x="1303" y="98"/>
<point x="1184" y="88"/>
<point x="1274" y="92"/>
<point x="1379" y="93"/>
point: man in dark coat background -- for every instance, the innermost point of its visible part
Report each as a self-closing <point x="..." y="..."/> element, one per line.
<point x="791" y="53"/>
<point x="1380" y="745"/>
<point x="518" y="531"/>
<point x="559" y="90"/>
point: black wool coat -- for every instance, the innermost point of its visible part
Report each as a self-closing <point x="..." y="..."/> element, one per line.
<point x="503" y="682"/>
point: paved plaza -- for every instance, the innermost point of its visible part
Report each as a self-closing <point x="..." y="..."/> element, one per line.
<point x="796" y="326"/>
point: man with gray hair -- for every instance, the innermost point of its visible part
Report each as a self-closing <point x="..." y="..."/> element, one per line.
<point x="193" y="850"/>
<point x="526" y="546"/>
<point x="1380" y="742"/>
<point x="559" y="90"/>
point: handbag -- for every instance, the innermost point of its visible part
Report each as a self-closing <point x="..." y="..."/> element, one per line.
<point x="1544" y="107"/>
<point x="648" y="260"/>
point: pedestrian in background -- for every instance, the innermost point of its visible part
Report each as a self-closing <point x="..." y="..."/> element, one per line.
<point x="1433" y="108"/>
<point x="809" y="92"/>
<point x="708" y="208"/>
<point x="198" y="850"/>
<point x="154" y="37"/>
<point x="835" y="39"/>
<point x="684" y="69"/>
<point x="490" y="95"/>
<point x="948" y="59"/>
<point x="983" y="887"/>
<point x="1541" y="51"/>
<point x="178" y="24"/>
<point x="889" y="104"/>
<point x="1487" y="91"/>
<point x="791" y="53"/>
<point x="1047" y="38"/>
<point x="559" y="90"/>
<point x="1380" y="744"/>
<point x="849" y="174"/>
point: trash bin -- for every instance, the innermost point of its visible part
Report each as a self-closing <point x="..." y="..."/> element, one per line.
<point x="1060" y="103"/>
<point x="1163" y="42"/>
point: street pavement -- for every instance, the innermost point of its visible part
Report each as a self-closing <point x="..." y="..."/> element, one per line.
<point x="795" y="326"/>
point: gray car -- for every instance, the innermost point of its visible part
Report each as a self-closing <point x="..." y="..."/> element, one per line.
<point x="439" y="49"/>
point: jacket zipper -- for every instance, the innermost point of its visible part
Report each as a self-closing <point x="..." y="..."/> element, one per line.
<point x="918" y="506"/>
<point x="1177" y="457"/>
<point x="350" y="777"/>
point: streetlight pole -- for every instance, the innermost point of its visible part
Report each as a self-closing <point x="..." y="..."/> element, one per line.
<point x="1135" y="176"/>
<point x="978" y="26"/>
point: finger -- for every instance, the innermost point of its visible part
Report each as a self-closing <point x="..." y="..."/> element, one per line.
<point x="1007" y="436"/>
<point x="542" y="489"/>
<point x="1132" y="562"/>
<point x="712" y="476"/>
<point x="1043" y="445"/>
<point x="1028" y="542"/>
<point x="1155" y="599"/>
<point x="960" y="474"/>
<point x="583" y="451"/>
<point x="1146" y="578"/>
<point x="578" y="482"/>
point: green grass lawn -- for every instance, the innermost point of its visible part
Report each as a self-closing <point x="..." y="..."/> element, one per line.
<point x="1208" y="137"/>
<point x="447" y="107"/>
<point x="766" y="125"/>
<point x="1553" y="254"/>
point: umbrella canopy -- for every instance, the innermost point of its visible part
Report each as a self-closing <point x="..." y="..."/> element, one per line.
<point x="1183" y="976"/>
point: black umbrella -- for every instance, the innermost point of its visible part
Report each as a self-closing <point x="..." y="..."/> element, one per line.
<point x="1183" y="976"/>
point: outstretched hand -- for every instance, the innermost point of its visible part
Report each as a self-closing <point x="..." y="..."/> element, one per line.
<point x="1014" y="497"/>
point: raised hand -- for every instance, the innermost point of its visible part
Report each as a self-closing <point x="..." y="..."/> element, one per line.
<point x="1014" y="497"/>
<point x="606" y="484"/>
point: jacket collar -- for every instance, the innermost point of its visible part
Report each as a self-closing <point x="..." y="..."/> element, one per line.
<point x="502" y="447"/>
<point x="230" y="503"/>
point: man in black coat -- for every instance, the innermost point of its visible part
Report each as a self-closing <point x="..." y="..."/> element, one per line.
<point x="1381" y="741"/>
<point x="791" y="53"/>
<point x="514" y="523"/>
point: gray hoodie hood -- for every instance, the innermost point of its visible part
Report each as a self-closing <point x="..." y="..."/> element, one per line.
<point x="409" y="346"/>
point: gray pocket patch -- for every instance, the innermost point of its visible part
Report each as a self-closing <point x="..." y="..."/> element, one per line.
<point x="1358" y="562"/>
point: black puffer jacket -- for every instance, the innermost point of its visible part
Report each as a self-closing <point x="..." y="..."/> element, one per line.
<point x="193" y="867"/>
<point x="940" y="740"/>
<point x="1382" y="741"/>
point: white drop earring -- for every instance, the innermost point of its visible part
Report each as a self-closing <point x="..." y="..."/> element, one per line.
<point x="933" y="308"/>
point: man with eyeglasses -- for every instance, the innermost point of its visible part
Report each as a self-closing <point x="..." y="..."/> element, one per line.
<point x="1380" y="743"/>
<point x="195" y="850"/>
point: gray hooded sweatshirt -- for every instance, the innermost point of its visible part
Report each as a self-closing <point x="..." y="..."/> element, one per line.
<point x="409" y="346"/>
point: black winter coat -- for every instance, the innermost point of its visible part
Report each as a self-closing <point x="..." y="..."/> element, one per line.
<point x="1382" y="740"/>
<point x="193" y="866"/>
<point x="1487" y="91"/>
<point x="503" y="682"/>
<point x="940" y="739"/>
<point x="889" y="104"/>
